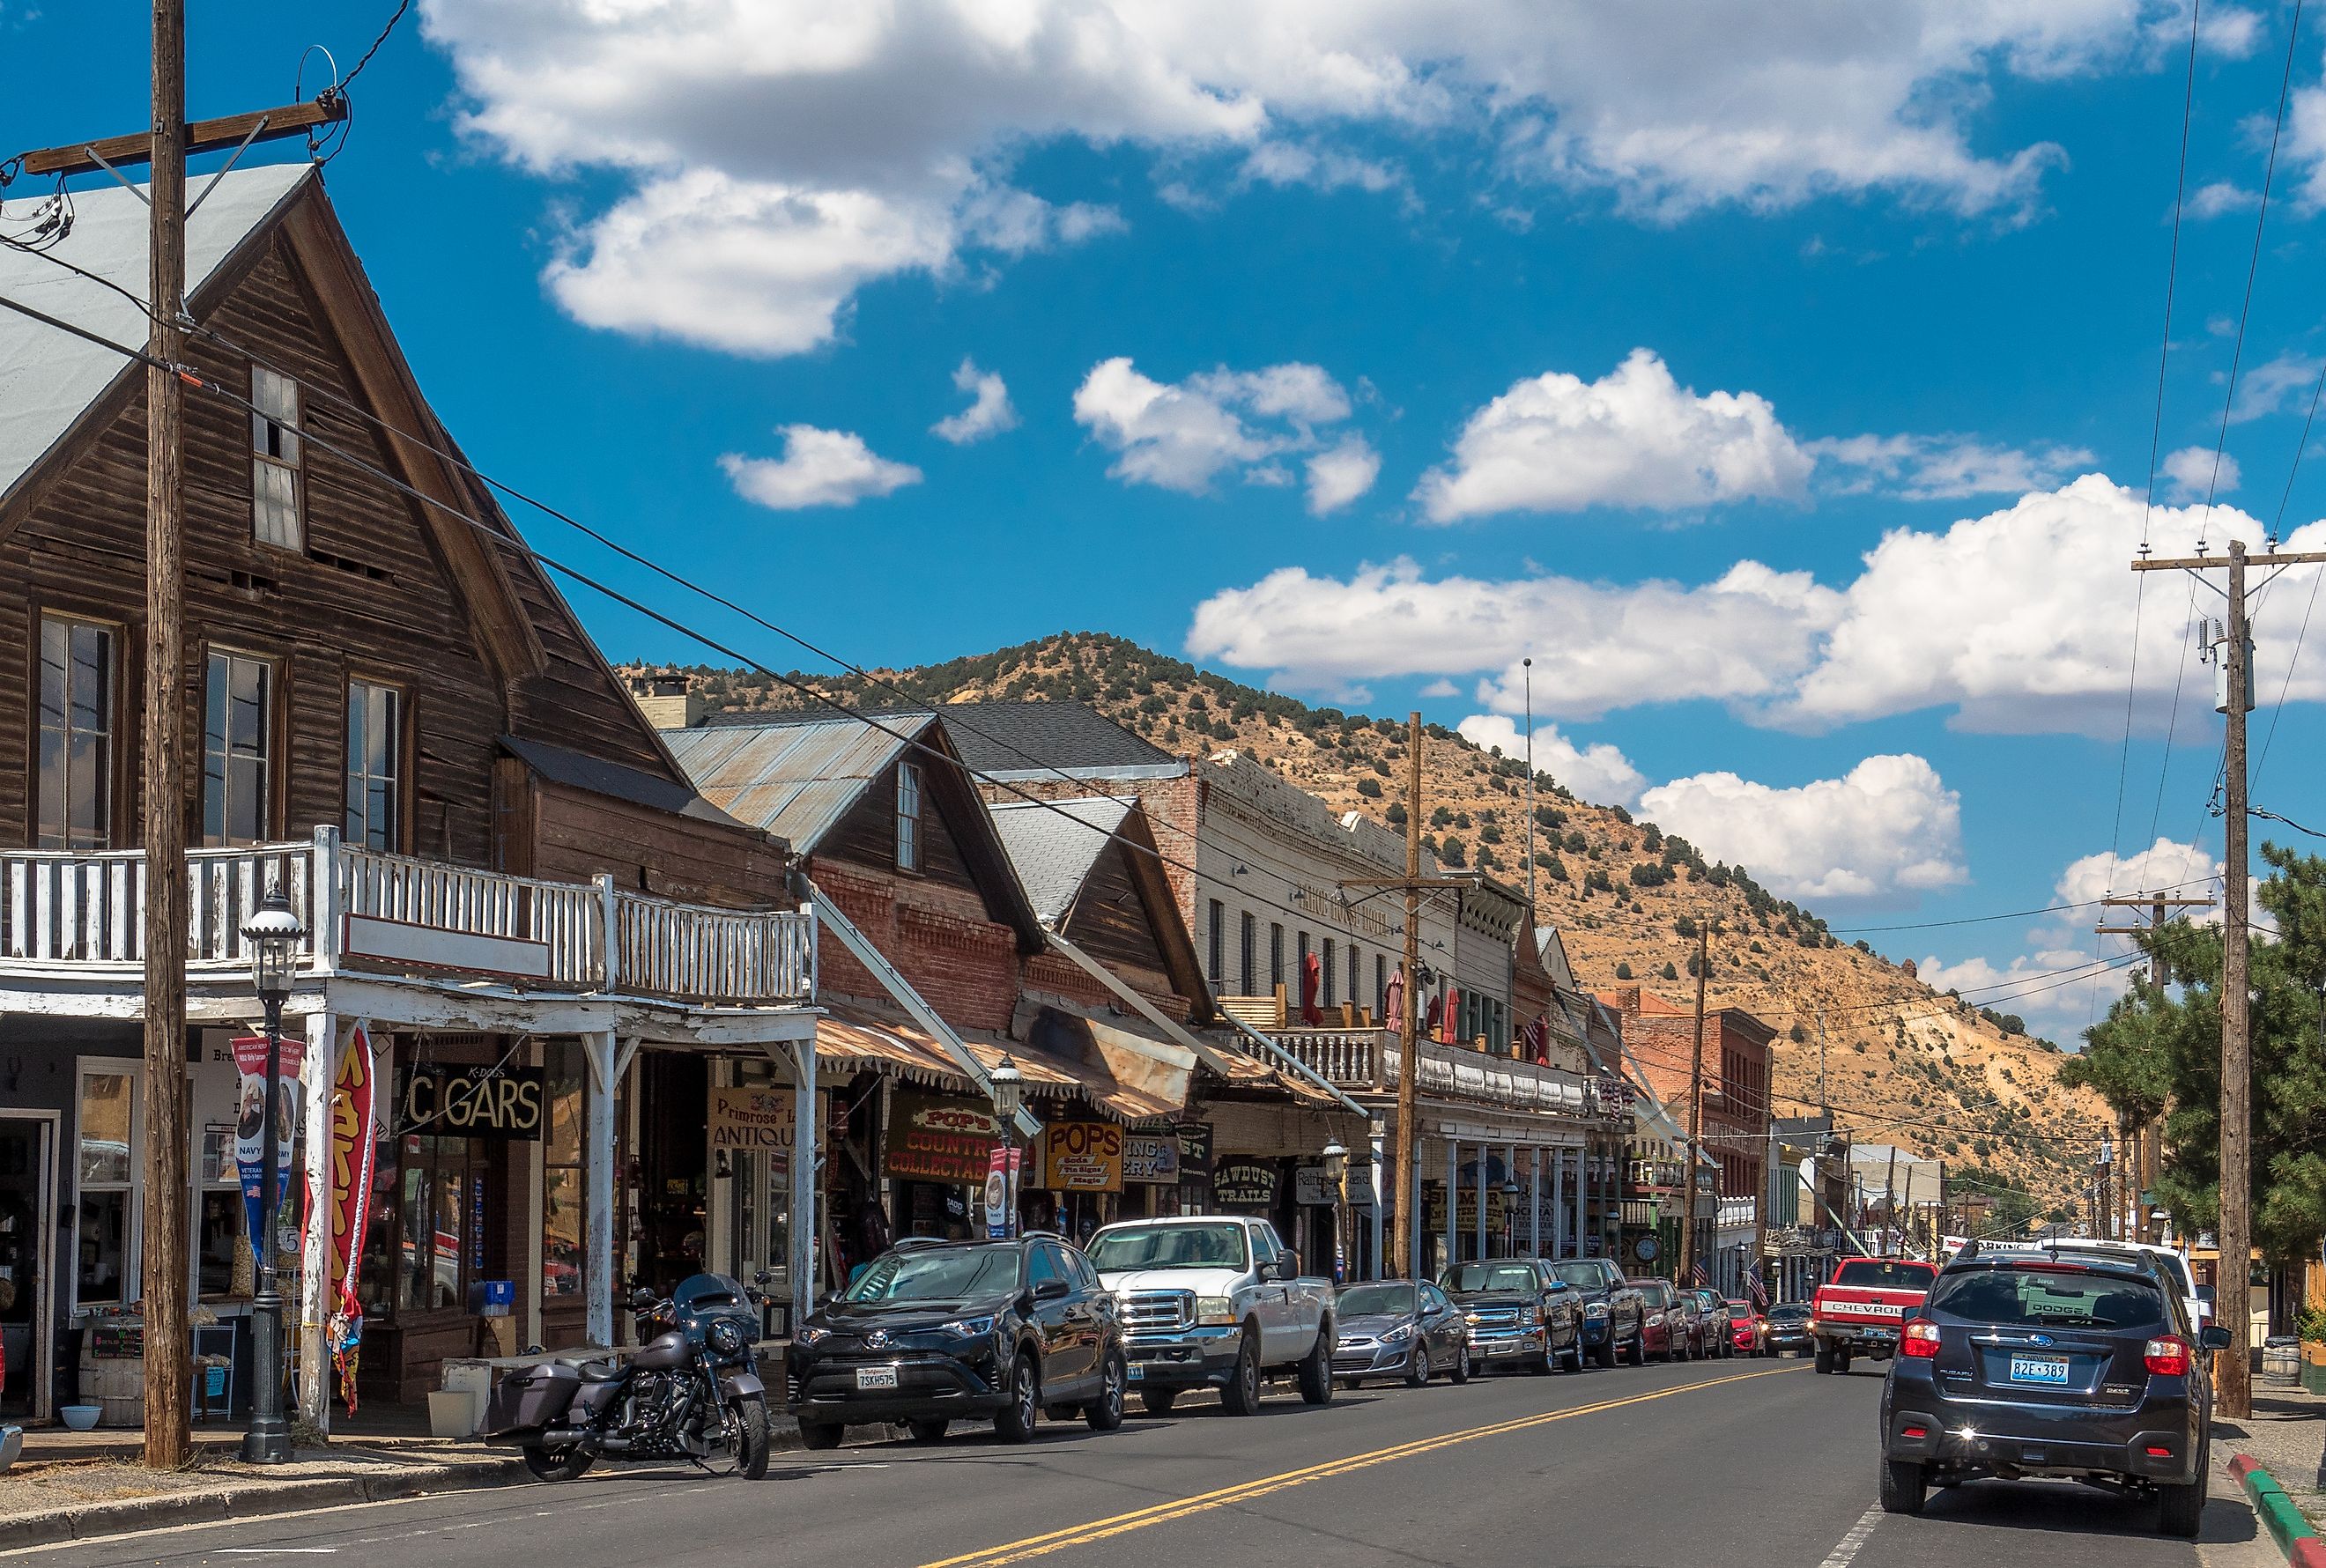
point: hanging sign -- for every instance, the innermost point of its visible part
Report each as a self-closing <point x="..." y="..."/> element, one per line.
<point x="1151" y="1160"/>
<point x="250" y="1054"/>
<point x="1195" y="1151"/>
<point x="477" y="1102"/>
<point x="754" y="1121"/>
<point x="1245" y="1184"/>
<point x="1001" y="1189"/>
<point x="1313" y="1188"/>
<point x="1082" y="1156"/>
<point x="934" y="1139"/>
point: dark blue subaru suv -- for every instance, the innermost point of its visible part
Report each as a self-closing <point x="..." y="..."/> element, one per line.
<point x="2041" y="1364"/>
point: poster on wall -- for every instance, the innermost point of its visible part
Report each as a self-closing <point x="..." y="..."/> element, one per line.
<point x="1001" y="1189"/>
<point x="931" y="1138"/>
<point x="250" y="1054"/>
<point x="1245" y="1184"/>
<point x="754" y="1121"/>
<point x="1150" y="1159"/>
<point x="1082" y="1156"/>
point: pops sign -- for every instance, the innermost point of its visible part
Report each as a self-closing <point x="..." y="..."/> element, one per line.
<point x="1082" y="1157"/>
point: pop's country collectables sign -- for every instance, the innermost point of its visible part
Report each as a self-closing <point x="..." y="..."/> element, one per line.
<point x="935" y="1138"/>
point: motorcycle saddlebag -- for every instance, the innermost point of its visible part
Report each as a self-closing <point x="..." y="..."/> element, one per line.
<point x="530" y="1398"/>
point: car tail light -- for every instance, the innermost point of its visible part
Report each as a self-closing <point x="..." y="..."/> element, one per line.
<point x="2168" y="1357"/>
<point x="1919" y="1341"/>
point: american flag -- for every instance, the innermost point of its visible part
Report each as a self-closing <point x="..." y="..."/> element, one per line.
<point x="1760" y="1292"/>
<point x="1696" y="1274"/>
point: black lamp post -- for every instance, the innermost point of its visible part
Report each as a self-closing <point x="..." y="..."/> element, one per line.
<point x="274" y="934"/>
<point x="1336" y="1177"/>
<point x="1009" y="1096"/>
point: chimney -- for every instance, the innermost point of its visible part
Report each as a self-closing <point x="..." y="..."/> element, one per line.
<point x="669" y="700"/>
<point x="1627" y="1000"/>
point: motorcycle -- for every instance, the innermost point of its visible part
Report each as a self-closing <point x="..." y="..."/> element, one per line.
<point x="691" y="1391"/>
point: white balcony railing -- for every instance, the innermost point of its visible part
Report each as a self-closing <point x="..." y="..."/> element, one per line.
<point x="1367" y="1059"/>
<point x="84" y="913"/>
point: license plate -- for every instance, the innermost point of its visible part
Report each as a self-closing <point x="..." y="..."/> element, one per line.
<point x="2048" y="1370"/>
<point x="876" y="1377"/>
<point x="1137" y="1371"/>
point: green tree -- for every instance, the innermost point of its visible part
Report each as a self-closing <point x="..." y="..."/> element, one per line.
<point x="1622" y="969"/>
<point x="2158" y="1050"/>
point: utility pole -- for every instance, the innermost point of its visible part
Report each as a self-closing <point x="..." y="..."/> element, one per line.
<point x="1527" y="665"/>
<point x="1405" y="1229"/>
<point x="1687" y="1258"/>
<point x="2232" y="1303"/>
<point x="168" y="1345"/>
<point x="2139" y="1139"/>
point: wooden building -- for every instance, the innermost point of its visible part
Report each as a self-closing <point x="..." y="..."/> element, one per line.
<point x="393" y="714"/>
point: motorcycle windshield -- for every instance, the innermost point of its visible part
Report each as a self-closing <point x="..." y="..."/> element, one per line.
<point x="708" y="1293"/>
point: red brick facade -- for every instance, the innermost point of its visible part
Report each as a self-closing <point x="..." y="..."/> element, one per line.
<point x="1663" y="1039"/>
<point x="963" y="964"/>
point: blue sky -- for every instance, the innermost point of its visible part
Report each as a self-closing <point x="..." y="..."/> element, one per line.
<point x="1364" y="349"/>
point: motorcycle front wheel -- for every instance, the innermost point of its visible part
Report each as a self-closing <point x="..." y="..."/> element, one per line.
<point x="749" y="1424"/>
<point x="557" y="1464"/>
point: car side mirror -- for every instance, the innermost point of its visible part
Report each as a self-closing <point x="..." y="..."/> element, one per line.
<point x="1287" y="1263"/>
<point x="2205" y="1294"/>
<point x="2213" y="1337"/>
<point x="1052" y="1290"/>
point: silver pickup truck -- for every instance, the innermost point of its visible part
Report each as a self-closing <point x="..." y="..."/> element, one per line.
<point x="1214" y="1301"/>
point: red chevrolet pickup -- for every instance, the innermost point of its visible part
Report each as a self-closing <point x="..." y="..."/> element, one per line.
<point x="1859" y="1310"/>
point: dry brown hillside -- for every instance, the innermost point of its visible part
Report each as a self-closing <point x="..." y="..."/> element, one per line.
<point x="1901" y="1064"/>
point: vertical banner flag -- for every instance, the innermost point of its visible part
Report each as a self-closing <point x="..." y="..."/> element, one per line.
<point x="250" y="1127"/>
<point x="354" y="1113"/>
<point x="1001" y="1189"/>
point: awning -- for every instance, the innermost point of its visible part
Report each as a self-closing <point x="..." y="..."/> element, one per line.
<point x="859" y="1040"/>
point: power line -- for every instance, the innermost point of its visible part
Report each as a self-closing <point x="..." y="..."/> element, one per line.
<point x="2006" y="914"/>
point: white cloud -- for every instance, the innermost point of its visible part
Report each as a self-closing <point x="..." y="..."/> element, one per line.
<point x="989" y="413"/>
<point x="2017" y="620"/>
<point x="2281" y="385"/>
<point x="1634" y="438"/>
<point x="2219" y="196"/>
<point x="1890" y="826"/>
<point x="819" y="468"/>
<point x="1944" y="468"/>
<point x="2228" y="30"/>
<point x="1597" y="771"/>
<point x="822" y="147"/>
<point x="1441" y="687"/>
<point x="1340" y="473"/>
<point x="2195" y="474"/>
<point x="1183" y="436"/>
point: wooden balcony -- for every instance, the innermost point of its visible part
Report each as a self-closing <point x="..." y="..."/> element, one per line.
<point x="1366" y="1060"/>
<point x="75" y="916"/>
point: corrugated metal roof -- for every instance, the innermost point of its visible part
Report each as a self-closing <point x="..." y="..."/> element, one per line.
<point x="1054" y="844"/>
<point x="48" y="378"/>
<point x="861" y="1039"/>
<point x="796" y="780"/>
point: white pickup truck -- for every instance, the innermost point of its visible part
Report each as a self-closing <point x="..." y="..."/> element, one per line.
<point x="1214" y="1301"/>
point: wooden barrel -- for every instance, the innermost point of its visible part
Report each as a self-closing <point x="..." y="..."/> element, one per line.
<point x="116" y="1385"/>
<point x="2281" y="1362"/>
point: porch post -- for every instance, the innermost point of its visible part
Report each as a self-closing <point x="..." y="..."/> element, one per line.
<point x="1378" y="1266"/>
<point x="807" y="1182"/>
<point x="1485" y="1152"/>
<point x="598" y="1189"/>
<point x="1534" y="1205"/>
<point x="1577" y="1221"/>
<point x="326" y="1038"/>
<point x="1452" y="1193"/>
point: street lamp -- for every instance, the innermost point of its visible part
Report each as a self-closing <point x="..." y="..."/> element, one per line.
<point x="1510" y="1215"/>
<point x="273" y="934"/>
<point x="1009" y="1087"/>
<point x="1336" y="1176"/>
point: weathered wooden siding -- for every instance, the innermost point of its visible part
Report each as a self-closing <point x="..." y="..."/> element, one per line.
<point x="578" y="836"/>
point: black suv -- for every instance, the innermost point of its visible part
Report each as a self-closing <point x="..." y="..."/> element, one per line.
<point x="935" y="1332"/>
<point x="1611" y="1309"/>
<point x="2034" y="1364"/>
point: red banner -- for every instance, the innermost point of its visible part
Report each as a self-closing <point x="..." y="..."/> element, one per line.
<point x="353" y="1111"/>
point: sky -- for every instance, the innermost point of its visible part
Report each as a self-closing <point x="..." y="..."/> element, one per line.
<point x="1784" y="383"/>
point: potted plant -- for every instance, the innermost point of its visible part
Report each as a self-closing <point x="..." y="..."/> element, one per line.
<point x="2311" y="1327"/>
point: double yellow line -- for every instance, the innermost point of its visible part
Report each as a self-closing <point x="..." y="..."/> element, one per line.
<point x="1203" y="1502"/>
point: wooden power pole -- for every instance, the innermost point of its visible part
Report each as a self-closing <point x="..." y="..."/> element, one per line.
<point x="1687" y="1258"/>
<point x="2232" y="1289"/>
<point x="1405" y="1141"/>
<point x="165" y="1260"/>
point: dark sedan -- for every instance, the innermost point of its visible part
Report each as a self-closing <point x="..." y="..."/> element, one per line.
<point x="1788" y="1330"/>
<point x="1521" y="1313"/>
<point x="1393" y="1328"/>
<point x="934" y="1332"/>
<point x="2029" y="1365"/>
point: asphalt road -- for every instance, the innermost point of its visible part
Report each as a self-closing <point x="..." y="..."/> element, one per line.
<point x="1754" y="1463"/>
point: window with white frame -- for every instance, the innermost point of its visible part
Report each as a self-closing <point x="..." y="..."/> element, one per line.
<point x="105" y="1233"/>
<point x="274" y="460"/>
<point x="909" y="816"/>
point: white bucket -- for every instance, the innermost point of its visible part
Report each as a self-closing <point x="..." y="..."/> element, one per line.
<point x="453" y="1412"/>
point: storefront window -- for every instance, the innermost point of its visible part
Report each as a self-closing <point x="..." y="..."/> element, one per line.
<point x="562" y="1194"/>
<point x="434" y="1183"/>
<point x="108" y="1130"/>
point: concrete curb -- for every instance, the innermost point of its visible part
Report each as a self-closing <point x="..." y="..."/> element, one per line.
<point x="100" y="1519"/>
<point x="2278" y="1515"/>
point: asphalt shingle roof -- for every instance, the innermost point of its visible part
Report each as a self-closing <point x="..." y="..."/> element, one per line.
<point x="1055" y="849"/>
<point x="1019" y="738"/>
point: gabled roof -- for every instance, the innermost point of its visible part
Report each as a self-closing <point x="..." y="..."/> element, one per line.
<point x="1043" y="739"/>
<point x="796" y="778"/>
<point x="49" y="379"/>
<point x="1056" y="850"/>
<point x="577" y="770"/>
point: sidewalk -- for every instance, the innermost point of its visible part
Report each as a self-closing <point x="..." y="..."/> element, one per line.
<point x="2287" y="1436"/>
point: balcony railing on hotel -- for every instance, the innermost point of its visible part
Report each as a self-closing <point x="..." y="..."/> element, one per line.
<point x="1367" y="1060"/>
<point x="83" y="913"/>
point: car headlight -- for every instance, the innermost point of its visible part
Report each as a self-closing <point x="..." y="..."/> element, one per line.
<point x="1655" y="1320"/>
<point x="1595" y="1309"/>
<point x="810" y="1334"/>
<point x="1397" y="1335"/>
<point x="1215" y="1309"/>
<point x="969" y="1328"/>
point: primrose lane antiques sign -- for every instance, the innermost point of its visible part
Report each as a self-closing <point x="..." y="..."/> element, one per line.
<point x="476" y="1102"/>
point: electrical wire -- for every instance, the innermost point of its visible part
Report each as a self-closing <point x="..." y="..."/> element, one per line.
<point x="2006" y="914"/>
